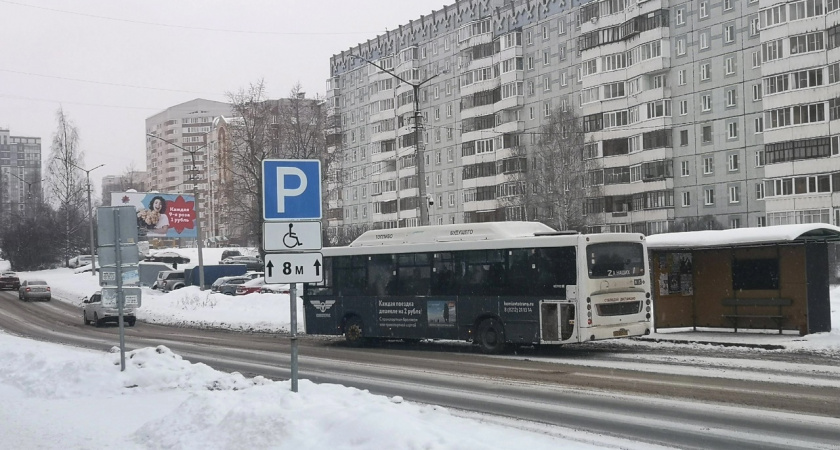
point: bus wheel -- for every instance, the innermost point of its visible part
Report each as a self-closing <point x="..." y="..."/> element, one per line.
<point x="354" y="331"/>
<point x="490" y="336"/>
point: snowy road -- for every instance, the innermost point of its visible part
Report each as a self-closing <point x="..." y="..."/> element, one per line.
<point x="686" y="397"/>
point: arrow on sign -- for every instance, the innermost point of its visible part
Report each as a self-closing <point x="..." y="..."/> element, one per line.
<point x="317" y="268"/>
<point x="269" y="266"/>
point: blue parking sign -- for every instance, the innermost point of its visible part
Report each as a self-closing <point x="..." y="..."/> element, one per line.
<point x="291" y="189"/>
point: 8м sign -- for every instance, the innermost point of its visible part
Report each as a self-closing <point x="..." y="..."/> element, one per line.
<point x="294" y="268"/>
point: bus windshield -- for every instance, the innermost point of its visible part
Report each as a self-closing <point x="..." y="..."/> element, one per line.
<point x="615" y="259"/>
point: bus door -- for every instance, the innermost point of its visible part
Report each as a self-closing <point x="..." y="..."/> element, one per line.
<point x="557" y="317"/>
<point x="557" y="320"/>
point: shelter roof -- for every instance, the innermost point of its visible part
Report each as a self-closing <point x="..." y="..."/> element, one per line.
<point x="745" y="237"/>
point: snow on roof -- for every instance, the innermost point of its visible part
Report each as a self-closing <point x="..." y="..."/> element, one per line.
<point x="449" y="233"/>
<point x="745" y="236"/>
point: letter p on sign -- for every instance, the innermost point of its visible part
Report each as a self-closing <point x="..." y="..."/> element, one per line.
<point x="291" y="189"/>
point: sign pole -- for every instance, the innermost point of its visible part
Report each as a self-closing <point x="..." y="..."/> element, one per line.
<point x="293" y="311"/>
<point x="120" y="295"/>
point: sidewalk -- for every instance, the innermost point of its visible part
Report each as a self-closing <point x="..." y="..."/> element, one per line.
<point x="764" y="339"/>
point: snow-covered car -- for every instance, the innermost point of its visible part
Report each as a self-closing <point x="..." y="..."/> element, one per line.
<point x="34" y="290"/>
<point x="274" y="289"/>
<point x="251" y="262"/>
<point x="9" y="280"/>
<point x="250" y="286"/>
<point x="94" y="312"/>
<point x="169" y="280"/>
<point x="79" y="261"/>
<point x="230" y="285"/>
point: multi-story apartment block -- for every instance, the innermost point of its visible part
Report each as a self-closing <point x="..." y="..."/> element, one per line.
<point x="20" y="175"/>
<point x="684" y="105"/>
<point x="120" y="183"/>
<point x="800" y="66"/>
<point x="170" y="166"/>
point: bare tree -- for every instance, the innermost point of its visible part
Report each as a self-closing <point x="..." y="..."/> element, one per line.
<point x="66" y="185"/>
<point x="552" y="191"/>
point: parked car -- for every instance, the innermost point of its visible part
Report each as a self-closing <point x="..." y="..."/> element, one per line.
<point x="253" y="274"/>
<point x="274" y="289"/>
<point x="251" y="262"/>
<point x="94" y="312"/>
<point x="79" y="261"/>
<point x="220" y="281"/>
<point x="9" y="280"/>
<point x="34" y="290"/>
<point x="250" y="286"/>
<point x="230" y="285"/>
<point x="229" y="253"/>
<point x="169" y="280"/>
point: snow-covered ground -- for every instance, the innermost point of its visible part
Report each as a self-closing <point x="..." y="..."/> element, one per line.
<point x="55" y="396"/>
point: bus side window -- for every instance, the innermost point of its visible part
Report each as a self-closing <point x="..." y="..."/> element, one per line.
<point x="554" y="267"/>
<point x="519" y="273"/>
<point x="443" y="280"/>
<point x="380" y="276"/>
<point x="414" y="274"/>
<point x="350" y="276"/>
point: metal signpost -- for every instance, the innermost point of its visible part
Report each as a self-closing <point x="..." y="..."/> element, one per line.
<point x="291" y="196"/>
<point x="118" y="257"/>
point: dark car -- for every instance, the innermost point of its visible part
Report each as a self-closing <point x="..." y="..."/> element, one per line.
<point x="251" y="262"/>
<point x="228" y="254"/>
<point x="9" y="280"/>
<point x="230" y="285"/>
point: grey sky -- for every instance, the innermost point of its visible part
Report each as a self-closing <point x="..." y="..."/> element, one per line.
<point x="111" y="64"/>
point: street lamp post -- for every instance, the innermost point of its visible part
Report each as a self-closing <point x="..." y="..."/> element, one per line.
<point x="90" y="218"/>
<point x="421" y="161"/>
<point x="197" y="215"/>
<point x="28" y="186"/>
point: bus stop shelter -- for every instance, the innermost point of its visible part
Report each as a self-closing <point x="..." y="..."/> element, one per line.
<point x="771" y="278"/>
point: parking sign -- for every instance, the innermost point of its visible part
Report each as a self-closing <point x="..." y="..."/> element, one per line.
<point x="291" y="189"/>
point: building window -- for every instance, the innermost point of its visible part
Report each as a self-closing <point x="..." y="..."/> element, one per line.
<point x="683" y="107"/>
<point x="681" y="16"/>
<point x="759" y="125"/>
<point x="706" y="102"/>
<point x="681" y="46"/>
<point x="759" y="191"/>
<point x="757" y="92"/>
<point x="729" y="65"/>
<point x="734" y="194"/>
<point x="729" y="33"/>
<point x="704" y="11"/>
<point x="734" y="162"/>
<point x="704" y="39"/>
<point x="707" y="134"/>
<point x="684" y="170"/>
<point x="730" y="98"/>
<point x="709" y="196"/>
<point x="727" y="5"/>
<point x="732" y="130"/>
<point x="705" y="71"/>
<point x="681" y="77"/>
<point x="759" y="158"/>
<point x="735" y="222"/>
<point x="686" y="199"/>
<point x="708" y="165"/>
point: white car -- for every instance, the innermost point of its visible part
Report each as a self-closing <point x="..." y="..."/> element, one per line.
<point x="78" y="261"/>
<point x="93" y="312"/>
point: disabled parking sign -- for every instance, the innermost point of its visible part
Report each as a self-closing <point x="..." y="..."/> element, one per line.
<point x="291" y="189"/>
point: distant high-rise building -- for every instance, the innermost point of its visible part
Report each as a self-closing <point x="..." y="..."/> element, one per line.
<point x="120" y="183"/>
<point x="21" y="189"/>
<point x="695" y="114"/>
<point x="170" y="166"/>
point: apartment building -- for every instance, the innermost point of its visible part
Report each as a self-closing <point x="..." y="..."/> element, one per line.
<point x="688" y="121"/>
<point x="21" y="190"/>
<point x="134" y="179"/>
<point x="180" y="131"/>
<point x="800" y="65"/>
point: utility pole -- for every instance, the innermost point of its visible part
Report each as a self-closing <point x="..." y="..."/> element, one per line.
<point x="198" y="238"/>
<point x="90" y="218"/>
<point x="421" y="161"/>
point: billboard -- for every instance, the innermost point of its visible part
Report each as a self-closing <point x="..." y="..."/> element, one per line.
<point x="160" y="215"/>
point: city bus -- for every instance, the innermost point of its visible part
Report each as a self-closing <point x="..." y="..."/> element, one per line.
<point x="494" y="284"/>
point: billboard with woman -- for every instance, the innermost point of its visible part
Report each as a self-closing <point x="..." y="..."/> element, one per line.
<point x="160" y="215"/>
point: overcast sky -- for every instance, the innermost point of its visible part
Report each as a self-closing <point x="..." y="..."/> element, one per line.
<point x="111" y="64"/>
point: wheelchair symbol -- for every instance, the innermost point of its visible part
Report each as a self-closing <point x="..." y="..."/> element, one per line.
<point x="290" y="239"/>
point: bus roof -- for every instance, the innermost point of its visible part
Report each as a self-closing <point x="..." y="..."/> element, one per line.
<point x="452" y="233"/>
